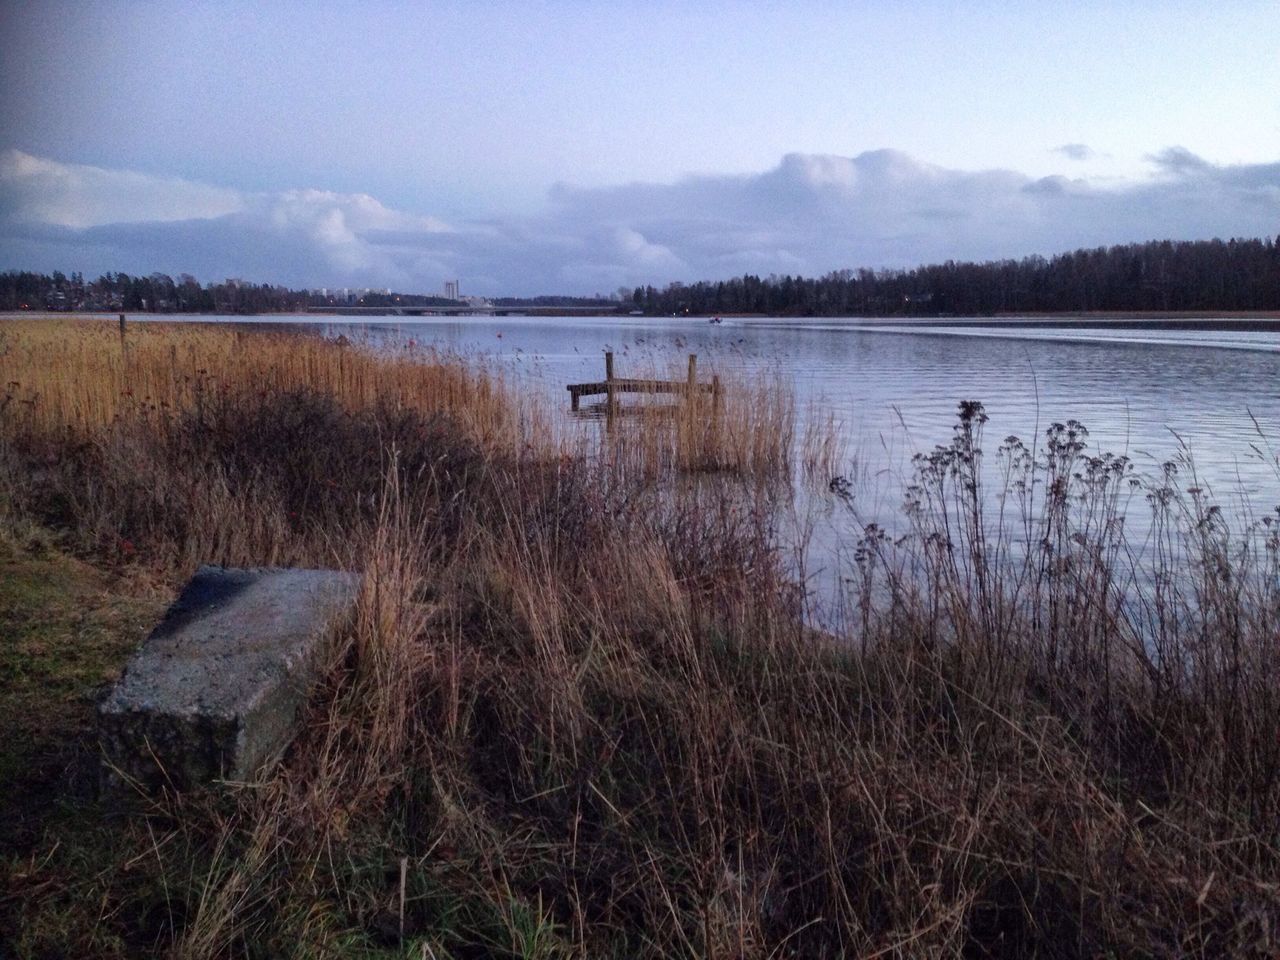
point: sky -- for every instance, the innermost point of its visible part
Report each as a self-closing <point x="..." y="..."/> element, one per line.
<point x="575" y="147"/>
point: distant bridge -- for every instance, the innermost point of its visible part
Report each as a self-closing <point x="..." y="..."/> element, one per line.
<point x="466" y="310"/>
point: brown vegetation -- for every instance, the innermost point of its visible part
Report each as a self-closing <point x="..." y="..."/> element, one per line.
<point x="582" y="712"/>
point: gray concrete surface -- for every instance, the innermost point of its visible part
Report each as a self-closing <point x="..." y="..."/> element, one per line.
<point x="216" y="689"/>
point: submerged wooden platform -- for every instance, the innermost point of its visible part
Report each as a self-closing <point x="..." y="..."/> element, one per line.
<point x="612" y="386"/>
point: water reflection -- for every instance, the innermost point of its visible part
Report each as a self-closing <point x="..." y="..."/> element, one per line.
<point x="1152" y="395"/>
<point x="895" y="390"/>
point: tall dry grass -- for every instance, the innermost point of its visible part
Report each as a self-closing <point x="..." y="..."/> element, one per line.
<point x="581" y="713"/>
<point x="82" y="375"/>
<point x="746" y="427"/>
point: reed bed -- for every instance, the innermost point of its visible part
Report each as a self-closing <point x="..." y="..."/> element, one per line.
<point x="83" y="375"/>
<point x="746" y="428"/>
<point x="824" y="448"/>
<point x="582" y="713"/>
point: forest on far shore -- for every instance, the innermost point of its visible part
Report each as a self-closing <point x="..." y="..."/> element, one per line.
<point x="1159" y="275"/>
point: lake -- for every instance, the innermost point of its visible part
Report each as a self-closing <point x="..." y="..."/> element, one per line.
<point x="1144" y="391"/>
<point x="895" y="389"/>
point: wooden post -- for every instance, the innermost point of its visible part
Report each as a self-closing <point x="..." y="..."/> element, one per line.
<point x="124" y="356"/>
<point x="693" y="375"/>
<point x="573" y="400"/>
<point x="608" y="381"/>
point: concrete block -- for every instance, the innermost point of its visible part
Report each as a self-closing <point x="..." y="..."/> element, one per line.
<point x="215" y="691"/>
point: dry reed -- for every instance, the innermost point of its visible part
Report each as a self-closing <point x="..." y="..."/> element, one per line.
<point x="581" y="714"/>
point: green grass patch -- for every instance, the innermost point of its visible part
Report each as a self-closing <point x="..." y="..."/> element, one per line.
<point x="68" y="629"/>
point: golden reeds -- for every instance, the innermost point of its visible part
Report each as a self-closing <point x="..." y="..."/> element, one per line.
<point x="81" y="375"/>
<point x="745" y="428"/>
<point x="581" y="712"/>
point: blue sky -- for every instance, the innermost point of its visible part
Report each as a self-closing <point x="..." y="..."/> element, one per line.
<point x="577" y="147"/>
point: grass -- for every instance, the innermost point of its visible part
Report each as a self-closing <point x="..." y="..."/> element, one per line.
<point x="582" y="713"/>
<point x="68" y="628"/>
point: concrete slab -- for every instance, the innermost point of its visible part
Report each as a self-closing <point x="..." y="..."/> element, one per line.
<point x="215" y="691"/>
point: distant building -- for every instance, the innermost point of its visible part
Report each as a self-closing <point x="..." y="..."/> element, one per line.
<point x="451" y="289"/>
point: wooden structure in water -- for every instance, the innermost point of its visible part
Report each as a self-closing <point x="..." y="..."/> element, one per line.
<point x="610" y="387"/>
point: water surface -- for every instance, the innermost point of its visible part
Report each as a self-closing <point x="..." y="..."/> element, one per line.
<point x="1151" y="393"/>
<point x="895" y="388"/>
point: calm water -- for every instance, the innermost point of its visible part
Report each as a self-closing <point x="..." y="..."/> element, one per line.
<point x="1145" y="392"/>
<point x="895" y="389"/>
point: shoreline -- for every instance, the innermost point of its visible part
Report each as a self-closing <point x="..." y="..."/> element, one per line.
<point x="1172" y="316"/>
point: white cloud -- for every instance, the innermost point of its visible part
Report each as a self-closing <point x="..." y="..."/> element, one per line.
<point x="1076" y="151"/>
<point x="810" y="214"/>
<point x="37" y="190"/>
<point x="349" y="214"/>
<point x="100" y="219"/>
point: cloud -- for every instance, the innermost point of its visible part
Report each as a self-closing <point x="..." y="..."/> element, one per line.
<point x="1076" y="151"/>
<point x="36" y="190"/>
<point x="70" y="216"/>
<point x="809" y="214"/>
<point x="1180" y="161"/>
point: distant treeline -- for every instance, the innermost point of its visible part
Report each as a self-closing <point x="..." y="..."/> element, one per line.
<point x="1160" y="275"/>
<point x="160" y="293"/>
<point x="1163" y="275"/>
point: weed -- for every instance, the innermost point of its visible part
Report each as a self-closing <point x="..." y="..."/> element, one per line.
<point x="581" y="712"/>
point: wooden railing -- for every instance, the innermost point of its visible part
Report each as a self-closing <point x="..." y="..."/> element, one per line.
<point x="612" y="386"/>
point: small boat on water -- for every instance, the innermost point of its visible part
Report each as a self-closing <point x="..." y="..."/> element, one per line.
<point x="715" y="320"/>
